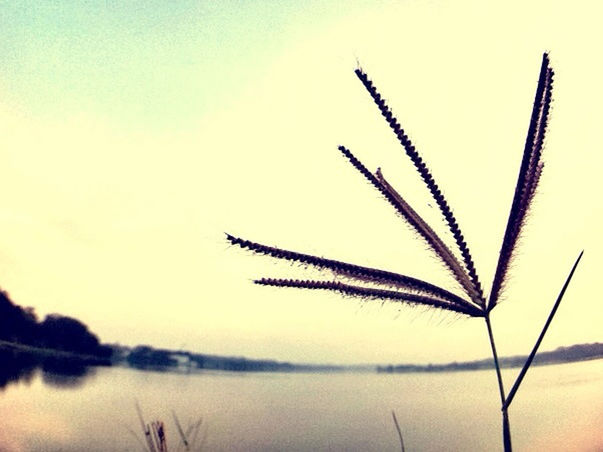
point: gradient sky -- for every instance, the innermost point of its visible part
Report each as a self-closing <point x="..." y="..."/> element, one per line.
<point x="134" y="134"/>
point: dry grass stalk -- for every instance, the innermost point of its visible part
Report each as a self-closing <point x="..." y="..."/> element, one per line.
<point x="156" y="439"/>
<point x="406" y="289"/>
<point x="527" y="181"/>
<point x="398" y="430"/>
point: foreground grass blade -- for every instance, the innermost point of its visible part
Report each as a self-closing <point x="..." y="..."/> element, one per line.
<point x="546" y="326"/>
<point x="441" y="249"/>
<point x="351" y="270"/>
<point x="370" y="293"/>
<point x="399" y="431"/>
<point x="414" y="220"/>
<point x="427" y="177"/>
<point x="145" y="429"/>
<point x="180" y="431"/>
<point x="527" y="180"/>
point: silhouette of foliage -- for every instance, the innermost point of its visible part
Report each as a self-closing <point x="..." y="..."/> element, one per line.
<point x="56" y="331"/>
<point x="69" y="334"/>
<point x="17" y="323"/>
<point x="146" y="357"/>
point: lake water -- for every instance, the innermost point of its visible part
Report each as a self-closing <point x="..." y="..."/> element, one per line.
<point x="558" y="407"/>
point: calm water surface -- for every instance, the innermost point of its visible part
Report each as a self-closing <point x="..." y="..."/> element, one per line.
<point x="559" y="407"/>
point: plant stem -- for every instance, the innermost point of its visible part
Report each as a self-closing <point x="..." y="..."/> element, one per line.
<point x="526" y="366"/>
<point x="501" y="388"/>
<point x="506" y="431"/>
<point x="399" y="431"/>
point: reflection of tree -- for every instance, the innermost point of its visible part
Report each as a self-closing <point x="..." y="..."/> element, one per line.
<point x="66" y="373"/>
<point x="59" y="372"/>
<point x="16" y="367"/>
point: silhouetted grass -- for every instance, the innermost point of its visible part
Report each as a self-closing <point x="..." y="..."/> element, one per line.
<point x="155" y="434"/>
<point x="457" y="259"/>
<point x="398" y="430"/>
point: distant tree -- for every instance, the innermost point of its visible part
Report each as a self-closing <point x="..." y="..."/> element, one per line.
<point x="21" y="325"/>
<point x="16" y="323"/>
<point x="69" y="334"/>
<point x="144" y="356"/>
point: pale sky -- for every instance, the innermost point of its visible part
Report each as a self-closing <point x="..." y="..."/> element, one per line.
<point x="134" y="134"/>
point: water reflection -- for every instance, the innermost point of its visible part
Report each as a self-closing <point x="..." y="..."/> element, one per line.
<point x="306" y="411"/>
<point x="56" y="372"/>
<point x="15" y="367"/>
<point x="66" y="373"/>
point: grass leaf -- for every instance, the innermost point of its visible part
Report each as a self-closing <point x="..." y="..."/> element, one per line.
<point x="526" y="366"/>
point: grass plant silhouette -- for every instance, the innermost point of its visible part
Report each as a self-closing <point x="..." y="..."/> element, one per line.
<point x="385" y="285"/>
<point x="155" y="434"/>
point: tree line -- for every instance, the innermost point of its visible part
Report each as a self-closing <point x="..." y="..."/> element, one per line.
<point x="58" y="332"/>
<point x="577" y="352"/>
